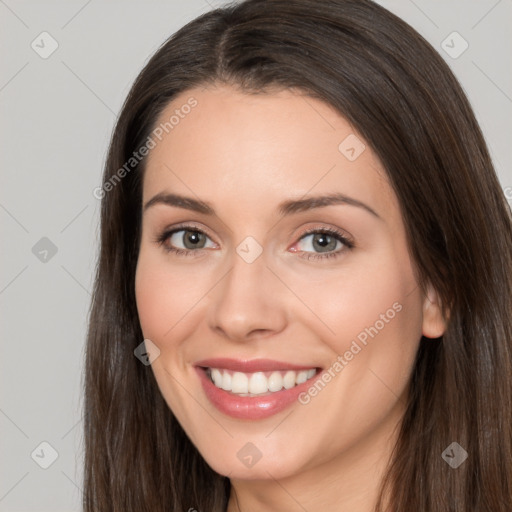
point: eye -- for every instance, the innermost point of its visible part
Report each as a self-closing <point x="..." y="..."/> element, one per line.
<point x="189" y="240"/>
<point x="184" y="240"/>
<point x="325" y="241"/>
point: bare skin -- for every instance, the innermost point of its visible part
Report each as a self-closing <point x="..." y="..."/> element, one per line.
<point x="245" y="154"/>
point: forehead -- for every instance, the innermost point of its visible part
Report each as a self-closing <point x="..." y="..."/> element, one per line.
<point x="252" y="150"/>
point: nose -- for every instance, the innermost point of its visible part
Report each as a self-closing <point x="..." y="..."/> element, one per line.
<point x="249" y="302"/>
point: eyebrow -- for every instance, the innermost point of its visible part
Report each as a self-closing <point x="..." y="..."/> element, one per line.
<point x="287" y="207"/>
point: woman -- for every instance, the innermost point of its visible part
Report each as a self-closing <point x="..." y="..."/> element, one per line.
<point x="301" y="220"/>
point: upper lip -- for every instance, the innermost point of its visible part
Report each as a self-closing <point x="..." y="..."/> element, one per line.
<point x="250" y="366"/>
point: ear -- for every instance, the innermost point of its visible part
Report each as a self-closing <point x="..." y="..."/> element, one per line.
<point x="434" y="324"/>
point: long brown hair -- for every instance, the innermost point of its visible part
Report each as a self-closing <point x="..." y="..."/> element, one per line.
<point x="403" y="99"/>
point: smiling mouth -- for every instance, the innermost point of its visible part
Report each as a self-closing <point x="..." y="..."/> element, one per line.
<point x="258" y="383"/>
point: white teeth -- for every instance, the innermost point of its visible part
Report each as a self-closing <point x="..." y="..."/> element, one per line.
<point x="258" y="383"/>
<point x="239" y="383"/>
<point x="226" y="381"/>
<point x="302" y="377"/>
<point x="289" y="380"/>
<point x="275" y="382"/>
<point x="217" y="377"/>
<point x="250" y="384"/>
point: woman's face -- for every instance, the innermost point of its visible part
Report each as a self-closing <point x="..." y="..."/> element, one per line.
<point x="259" y="284"/>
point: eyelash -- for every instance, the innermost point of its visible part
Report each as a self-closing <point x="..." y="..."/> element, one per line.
<point x="349" y="244"/>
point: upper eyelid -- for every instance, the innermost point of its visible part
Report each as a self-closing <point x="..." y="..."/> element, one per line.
<point x="187" y="227"/>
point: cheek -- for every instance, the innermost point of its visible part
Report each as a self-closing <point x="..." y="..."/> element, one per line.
<point x="375" y="314"/>
<point x="165" y="296"/>
<point x="154" y="302"/>
<point x="379" y="299"/>
<point x="165" y="300"/>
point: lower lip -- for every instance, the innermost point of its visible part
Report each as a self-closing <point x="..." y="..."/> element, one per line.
<point x="250" y="408"/>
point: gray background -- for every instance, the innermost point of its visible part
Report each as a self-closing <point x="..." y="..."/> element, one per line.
<point x="56" y="118"/>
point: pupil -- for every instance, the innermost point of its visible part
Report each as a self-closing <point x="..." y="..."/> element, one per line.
<point x="322" y="240"/>
<point x="194" y="238"/>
